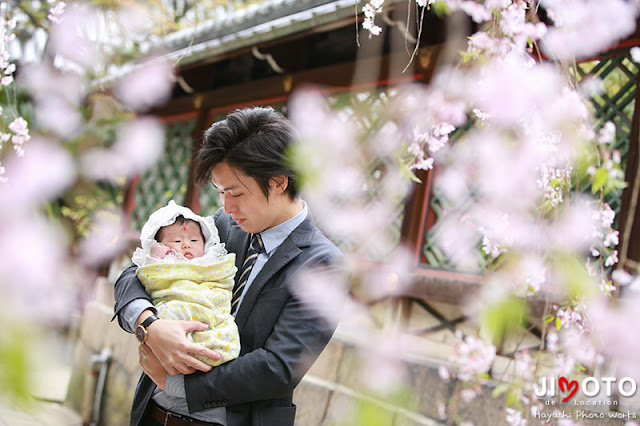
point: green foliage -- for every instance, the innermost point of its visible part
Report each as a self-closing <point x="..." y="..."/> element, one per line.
<point x="379" y="410"/>
<point x="440" y="9"/>
<point x="503" y="315"/>
<point x="14" y="368"/>
<point x="83" y="202"/>
<point x="572" y="275"/>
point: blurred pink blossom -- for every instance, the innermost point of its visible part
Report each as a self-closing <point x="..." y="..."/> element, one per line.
<point x="511" y="89"/>
<point x="554" y="182"/>
<point x="514" y="417"/>
<point x="569" y="230"/>
<point x="496" y="4"/>
<point x="443" y="372"/>
<point x="607" y="133"/>
<point x="472" y="357"/>
<point x="56" y="12"/>
<point x="452" y="185"/>
<point x="384" y="355"/>
<point x="139" y="146"/>
<point x="620" y="344"/>
<point x="468" y="394"/>
<point x="36" y="178"/>
<point x="584" y="27"/>
<point x="58" y="115"/>
<point x="621" y="277"/>
<point x="105" y="239"/>
<point x="33" y="274"/>
<point x="149" y="84"/>
<point x="612" y="259"/>
<point x="325" y="291"/>
<point x="134" y="19"/>
<point x="513" y="23"/>
<point x="564" y="365"/>
<point x="3" y="171"/>
<point x="552" y="341"/>
<point x="458" y="242"/>
<point x="43" y="80"/>
<point x="394" y="277"/>
<point x="20" y="129"/>
<point x="76" y="40"/>
<point x="580" y="347"/>
<point x="7" y="34"/>
<point x="476" y="11"/>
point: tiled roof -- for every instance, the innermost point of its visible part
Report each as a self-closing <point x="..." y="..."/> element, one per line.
<point x="255" y="24"/>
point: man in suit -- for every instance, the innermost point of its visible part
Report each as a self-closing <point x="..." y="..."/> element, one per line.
<point x="270" y="229"/>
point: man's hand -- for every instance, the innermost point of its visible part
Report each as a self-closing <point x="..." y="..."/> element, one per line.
<point x="168" y="341"/>
<point x="152" y="367"/>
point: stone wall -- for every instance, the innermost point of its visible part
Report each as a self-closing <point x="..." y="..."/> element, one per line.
<point x="96" y="333"/>
<point x="332" y="393"/>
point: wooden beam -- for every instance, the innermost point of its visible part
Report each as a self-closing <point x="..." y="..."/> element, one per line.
<point x="330" y="78"/>
<point x="628" y="219"/>
<point x="191" y="197"/>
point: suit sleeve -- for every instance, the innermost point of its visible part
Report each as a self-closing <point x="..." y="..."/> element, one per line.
<point x="127" y="288"/>
<point x="273" y="371"/>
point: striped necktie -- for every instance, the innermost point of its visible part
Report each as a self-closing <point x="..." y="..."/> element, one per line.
<point x="255" y="248"/>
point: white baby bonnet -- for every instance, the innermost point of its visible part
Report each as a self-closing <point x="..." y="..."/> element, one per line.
<point x="164" y="216"/>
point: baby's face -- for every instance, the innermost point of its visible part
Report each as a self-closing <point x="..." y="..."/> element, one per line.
<point x="185" y="238"/>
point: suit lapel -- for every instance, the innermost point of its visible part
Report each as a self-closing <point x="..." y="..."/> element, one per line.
<point x="283" y="255"/>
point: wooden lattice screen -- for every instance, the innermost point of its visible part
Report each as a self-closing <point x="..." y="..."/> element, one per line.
<point x="168" y="178"/>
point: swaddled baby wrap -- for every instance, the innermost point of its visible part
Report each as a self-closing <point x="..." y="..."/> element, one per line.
<point x="194" y="290"/>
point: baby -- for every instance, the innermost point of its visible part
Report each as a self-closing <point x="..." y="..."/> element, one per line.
<point x="189" y="276"/>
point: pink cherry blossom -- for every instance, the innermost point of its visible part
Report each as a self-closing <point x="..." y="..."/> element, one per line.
<point x="515" y="418"/>
<point x="139" y="145"/>
<point x="35" y="282"/>
<point x="607" y="133"/>
<point x="147" y="85"/>
<point x="621" y="344"/>
<point x="510" y="89"/>
<point x="472" y="357"/>
<point x="56" y="12"/>
<point x="476" y="11"/>
<point x="105" y="239"/>
<point x="37" y="177"/>
<point x="75" y="41"/>
<point x="583" y="27"/>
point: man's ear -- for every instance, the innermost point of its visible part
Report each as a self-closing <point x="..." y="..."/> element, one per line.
<point x="279" y="183"/>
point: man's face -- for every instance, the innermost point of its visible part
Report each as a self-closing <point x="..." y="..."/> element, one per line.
<point x="184" y="238"/>
<point x="244" y="200"/>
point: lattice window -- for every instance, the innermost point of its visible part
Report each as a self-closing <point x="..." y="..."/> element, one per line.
<point x="432" y="255"/>
<point x="168" y="178"/>
<point x="616" y="103"/>
<point x="366" y="109"/>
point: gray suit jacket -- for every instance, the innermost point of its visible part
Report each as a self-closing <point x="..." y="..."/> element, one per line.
<point x="280" y="337"/>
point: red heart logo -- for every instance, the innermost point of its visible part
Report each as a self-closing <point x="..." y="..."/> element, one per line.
<point x="571" y="386"/>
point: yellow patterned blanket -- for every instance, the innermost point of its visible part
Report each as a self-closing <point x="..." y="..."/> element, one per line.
<point x="187" y="291"/>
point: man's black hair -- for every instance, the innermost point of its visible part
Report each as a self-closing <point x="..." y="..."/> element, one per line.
<point x="252" y="140"/>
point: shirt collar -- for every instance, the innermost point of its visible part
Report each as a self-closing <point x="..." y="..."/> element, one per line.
<point x="273" y="237"/>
